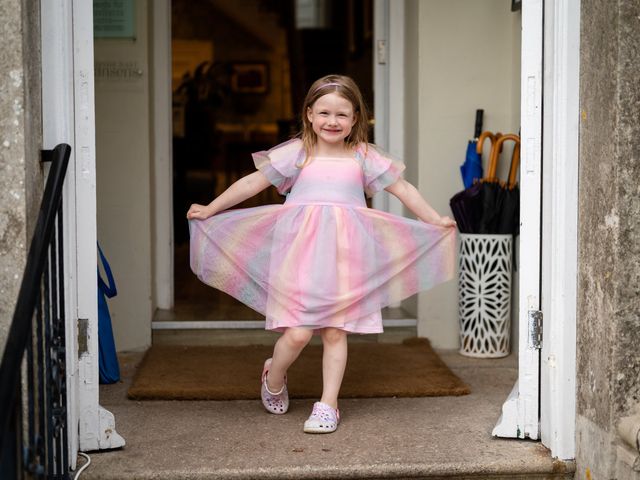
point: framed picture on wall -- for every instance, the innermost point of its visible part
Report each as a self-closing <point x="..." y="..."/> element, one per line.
<point x="250" y="77"/>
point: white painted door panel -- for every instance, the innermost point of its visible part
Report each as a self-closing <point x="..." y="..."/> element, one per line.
<point x="57" y="127"/>
<point x="68" y="116"/>
<point x="520" y="418"/>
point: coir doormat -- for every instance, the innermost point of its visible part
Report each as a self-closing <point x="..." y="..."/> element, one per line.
<point x="411" y="369"/>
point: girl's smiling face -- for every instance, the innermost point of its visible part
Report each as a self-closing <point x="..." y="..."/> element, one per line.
<point x="332" y="118"/>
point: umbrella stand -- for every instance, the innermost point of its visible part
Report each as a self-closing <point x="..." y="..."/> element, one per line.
<point x="486" y="263"/>
<point x="484" y="295"/>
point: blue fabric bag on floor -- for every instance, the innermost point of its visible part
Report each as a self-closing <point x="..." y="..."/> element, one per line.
<point x="107" y="359"/>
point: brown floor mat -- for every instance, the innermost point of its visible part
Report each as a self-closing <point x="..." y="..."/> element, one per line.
<point x="411" y="369"/>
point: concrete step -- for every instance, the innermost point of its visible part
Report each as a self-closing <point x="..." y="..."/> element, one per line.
<point x="395" y="472"/>
<point x="430" y="438"/>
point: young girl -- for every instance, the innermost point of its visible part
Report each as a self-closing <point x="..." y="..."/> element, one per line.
<point x="323" y="262"/>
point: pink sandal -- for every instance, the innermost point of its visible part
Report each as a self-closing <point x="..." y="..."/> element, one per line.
<point x="277" y="403"/>
<point x="324" y="419"/>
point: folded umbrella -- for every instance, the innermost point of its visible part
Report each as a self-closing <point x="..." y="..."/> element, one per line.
<point x="471" y="169"/>
<point x="510" y="213"/>
<point x="467" y="205"/>
<point x="500" y="204"/>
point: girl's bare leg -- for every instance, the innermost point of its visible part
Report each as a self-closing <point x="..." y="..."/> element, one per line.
<point x="285" y="352"/>
<point x="334" y="361"/>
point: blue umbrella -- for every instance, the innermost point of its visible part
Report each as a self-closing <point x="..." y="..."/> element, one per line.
<point x="471" y="169"/>
<point x="472" y="166"/>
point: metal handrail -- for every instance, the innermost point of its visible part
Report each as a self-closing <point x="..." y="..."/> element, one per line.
<point x="37" y="271"/>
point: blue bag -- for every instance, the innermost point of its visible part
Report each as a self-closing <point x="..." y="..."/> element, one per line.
<point x="107" y="359"/>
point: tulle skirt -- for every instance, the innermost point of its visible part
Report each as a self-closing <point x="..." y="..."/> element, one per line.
<point x="320" y="265"/>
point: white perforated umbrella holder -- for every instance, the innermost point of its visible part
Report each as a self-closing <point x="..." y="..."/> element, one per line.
<point x="484" y="294"/>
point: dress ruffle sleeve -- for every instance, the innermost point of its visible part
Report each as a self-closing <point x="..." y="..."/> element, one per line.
<point x="281" y="164"/>
<point x="379" y="167"/>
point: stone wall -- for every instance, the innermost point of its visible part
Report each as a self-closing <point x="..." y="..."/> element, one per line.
<point x="608" y="358"/>
<point x="21" y="176"/>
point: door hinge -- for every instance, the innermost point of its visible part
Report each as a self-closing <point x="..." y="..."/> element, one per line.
<point x="535" y="329"/>
<point x="83" y="336"/>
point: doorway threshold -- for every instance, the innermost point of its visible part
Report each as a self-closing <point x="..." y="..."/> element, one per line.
<point x="248" y="324"/>
<point x="195" y="325"/>
<point x="201" y="317"/>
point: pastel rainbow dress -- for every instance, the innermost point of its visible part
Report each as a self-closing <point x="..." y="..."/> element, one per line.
<point x="323" y="258"/>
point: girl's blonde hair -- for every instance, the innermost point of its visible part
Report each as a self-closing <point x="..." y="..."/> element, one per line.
<point x="346" y="88"/>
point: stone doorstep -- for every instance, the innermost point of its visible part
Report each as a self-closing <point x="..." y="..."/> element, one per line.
<point x="429" y="438"/>
<point x="561" y="470"/>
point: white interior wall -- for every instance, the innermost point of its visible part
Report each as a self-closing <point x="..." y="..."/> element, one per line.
<point x="467" y="57"/>
<point x="123" y="179"/>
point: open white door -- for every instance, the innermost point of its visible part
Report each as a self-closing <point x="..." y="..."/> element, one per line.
<point x="388" y="79"/>
<point x="68" y="116"/>
<point x="520" y="417"/>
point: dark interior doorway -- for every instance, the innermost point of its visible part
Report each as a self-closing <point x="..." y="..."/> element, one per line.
<point x="240" y="73"/>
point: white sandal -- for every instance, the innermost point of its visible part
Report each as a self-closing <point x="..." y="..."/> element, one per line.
<point x="323" y="419"/>
<point x="276" y="403"/>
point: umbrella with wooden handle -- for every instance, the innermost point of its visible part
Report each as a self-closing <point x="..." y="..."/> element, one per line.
<point x="483" y="136"/>
<point x="466" y="205"/>
<point x="510" y="213"/>
<point x="499" y="203"/>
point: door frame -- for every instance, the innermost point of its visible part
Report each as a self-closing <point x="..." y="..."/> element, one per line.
<point x="58" y="127"/>
<point x="389" y="88"/>
<point x="520" y="412"/>
<point x="162" y="153"/>
<point x="389" y="129"/>
<point x="388" y="80"/>
<point x="68" y="115"/>
<point x="560" y="28"/>
<point x="560" y="226"/>
<point x="558" y="184"/>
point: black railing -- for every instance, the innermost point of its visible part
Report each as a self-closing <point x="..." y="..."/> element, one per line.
<point x="37" y="447"/>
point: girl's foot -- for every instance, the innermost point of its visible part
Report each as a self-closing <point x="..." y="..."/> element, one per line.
<point x="324" y="419"/>
<point x="274" y="402"/>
